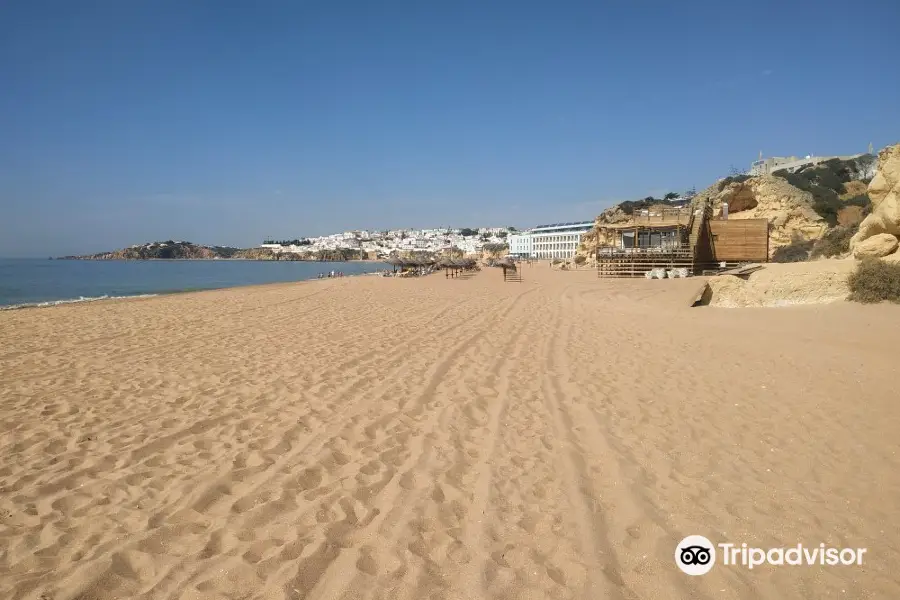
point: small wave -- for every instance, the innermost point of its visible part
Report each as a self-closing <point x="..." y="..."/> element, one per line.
<point x="71" y="301"/>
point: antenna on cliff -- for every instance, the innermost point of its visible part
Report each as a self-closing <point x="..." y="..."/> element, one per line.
<point x="871" y="149"/>
<point x="760" y="155"/>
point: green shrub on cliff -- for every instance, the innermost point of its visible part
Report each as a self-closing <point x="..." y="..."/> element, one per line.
<point x="825" y="182"/>
<point x="629" y="206"/>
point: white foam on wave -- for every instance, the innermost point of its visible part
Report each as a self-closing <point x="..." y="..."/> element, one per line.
<point x="71" y="301"/>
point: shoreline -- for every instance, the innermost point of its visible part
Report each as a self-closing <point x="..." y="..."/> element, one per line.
<point x="299" y="260"/>
<point x="44" y="304"/>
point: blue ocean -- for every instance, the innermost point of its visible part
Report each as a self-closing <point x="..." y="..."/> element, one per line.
<point x="43" y="282"/>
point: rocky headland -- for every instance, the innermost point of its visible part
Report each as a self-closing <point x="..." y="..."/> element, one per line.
<point x="171" y="250"/>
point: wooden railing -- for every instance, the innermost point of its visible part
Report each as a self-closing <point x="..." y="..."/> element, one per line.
<point x="662" y="216"/>
<point x="635" y="262"/>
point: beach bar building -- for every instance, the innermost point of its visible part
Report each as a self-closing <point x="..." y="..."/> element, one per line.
<point x="671" y="238"/>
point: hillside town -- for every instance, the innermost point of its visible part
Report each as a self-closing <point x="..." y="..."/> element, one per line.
<point x="381" y="244"/>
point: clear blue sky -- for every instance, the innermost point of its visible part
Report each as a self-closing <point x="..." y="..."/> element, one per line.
<point x="227" y="122"/>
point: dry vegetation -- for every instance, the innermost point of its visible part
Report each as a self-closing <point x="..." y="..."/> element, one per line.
<point x="797" y="251"/>
<point x="850" y="216"/>
<point x="835" y="242"/>
<point x="875" y="281"/>
<point x="852" y="189"/>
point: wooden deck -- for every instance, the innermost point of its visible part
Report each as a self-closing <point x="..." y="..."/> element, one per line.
<point x="702" y="245"/>
<point x="635" y="262"/>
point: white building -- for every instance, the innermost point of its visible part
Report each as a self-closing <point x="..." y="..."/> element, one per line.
<point x="520" y="243"/>
<point x="558" y="240"/>
<point x="767" y="166"/>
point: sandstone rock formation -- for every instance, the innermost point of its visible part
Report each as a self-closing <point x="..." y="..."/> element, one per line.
<point x="268" y="254"/>
<point x="788" y="209"/>
<point x="884" y="191"/>
<point x="800" y="206"/>
<point x="880" y="244"/>
<point x="818" y="282"/>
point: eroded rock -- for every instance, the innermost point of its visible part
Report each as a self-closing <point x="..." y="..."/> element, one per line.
<point x="877" y="246"/>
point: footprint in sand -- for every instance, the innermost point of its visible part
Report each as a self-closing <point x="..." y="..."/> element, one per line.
<point x="556" y="575"/>
<point x="458" y="553"/>
<point x="409" y="481"/>
<point x="366" y="562"/>
<point x="438" y="494"/>
<point x="310" y="478"/>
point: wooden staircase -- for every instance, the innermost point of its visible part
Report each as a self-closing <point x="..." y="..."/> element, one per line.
<point x="697" y="225"/>
<point x="512" y="275"/>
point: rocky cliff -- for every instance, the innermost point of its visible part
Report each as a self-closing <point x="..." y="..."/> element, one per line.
<point x="186" y="250"/>
<point x="879" y="232"/>
<point x="267" y="254"/>
<point x="161" y="251"/>
<point x="800" y="206"/>
<point x="788" y="209"/>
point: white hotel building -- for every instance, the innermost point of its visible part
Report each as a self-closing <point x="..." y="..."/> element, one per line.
<point x="559" y="240"/>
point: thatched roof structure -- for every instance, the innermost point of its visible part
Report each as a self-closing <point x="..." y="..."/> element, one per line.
<point x="410" y="261"/>
<point x="457" y="263"/>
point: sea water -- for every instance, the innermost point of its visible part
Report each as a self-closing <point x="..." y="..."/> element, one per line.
<point x="43" y="282"/>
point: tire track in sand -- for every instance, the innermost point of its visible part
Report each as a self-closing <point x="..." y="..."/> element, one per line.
<point x="634" y="525"/>
<point x="360" y="363"/>
<point x="407" y="427"/>
<point x="250" y="497"/>
<point x="422" y="496"/>
<point x="604" y="577"/>
<point x="475" y="541"/>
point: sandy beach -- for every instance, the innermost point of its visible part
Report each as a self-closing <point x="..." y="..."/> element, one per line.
<point x="392" y="439"/>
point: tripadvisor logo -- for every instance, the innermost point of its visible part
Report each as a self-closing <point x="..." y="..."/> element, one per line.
<point x="696" y="555"/>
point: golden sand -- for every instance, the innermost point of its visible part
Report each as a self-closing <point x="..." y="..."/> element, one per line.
<point x="443" y="439"/>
